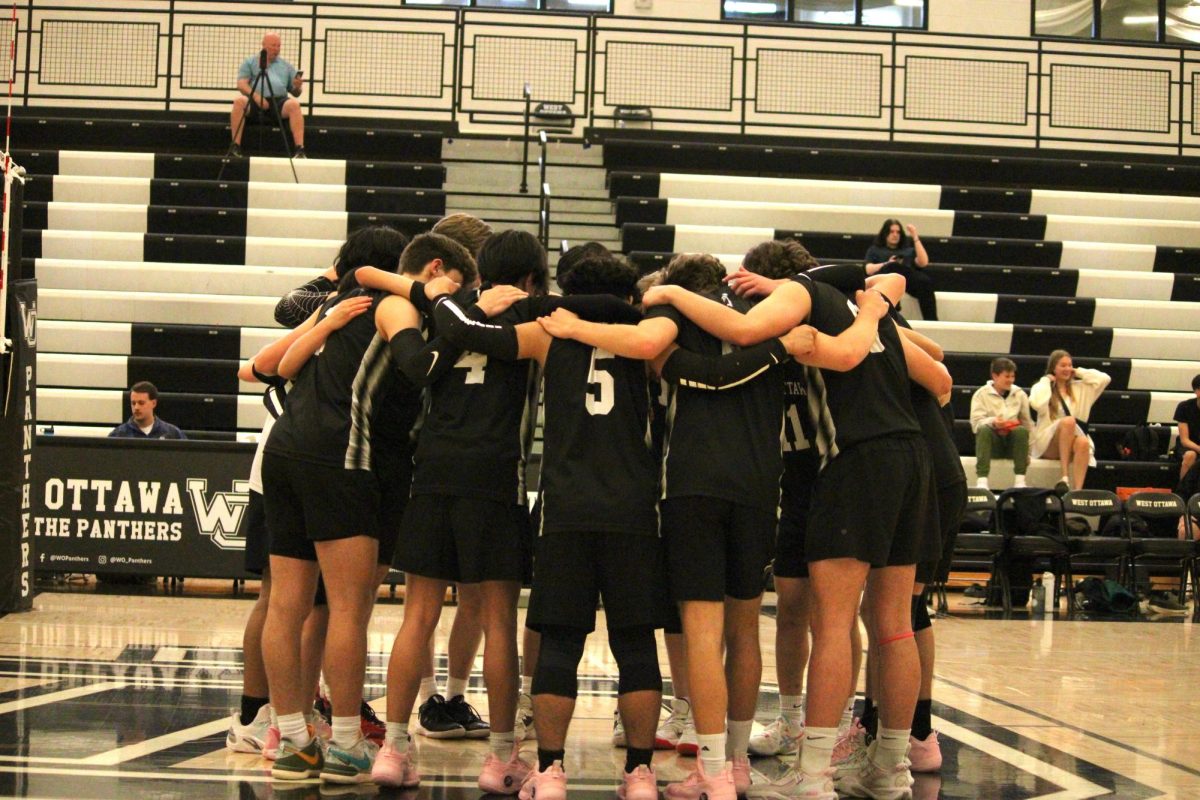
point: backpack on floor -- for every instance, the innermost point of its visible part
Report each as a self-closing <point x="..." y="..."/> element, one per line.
<point x="1105" y="596"/>
<point x="1141" y="443"/>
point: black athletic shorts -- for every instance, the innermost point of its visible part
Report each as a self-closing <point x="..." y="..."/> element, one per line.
<point x="871" y="503"/>
<point x="716" y="548"/>
<point x="462" y="539"/>
<point x="951" y="501"/>
<point x="789" y="546"/>
<point x="575" y="571"/>
<point x="258" y="542"/>
<point x="393" y="472"/>
<point x="266" y="115"/>
<point x="308" y="503"/>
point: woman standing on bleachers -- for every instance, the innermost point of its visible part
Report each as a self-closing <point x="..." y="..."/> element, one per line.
<point x="1063" y="399"/>
<point x="897" y="248"/>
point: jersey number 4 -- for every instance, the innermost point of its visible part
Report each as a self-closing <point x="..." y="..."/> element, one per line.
<point x="476" y="366"/>
<point x="601" y="388"/>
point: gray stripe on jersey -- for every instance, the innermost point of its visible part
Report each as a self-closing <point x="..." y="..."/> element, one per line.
<point x="533" y="391"/>
<point x="672" y="394"/>
<point x="371" y="371"/>
<point x="822" y="418"/>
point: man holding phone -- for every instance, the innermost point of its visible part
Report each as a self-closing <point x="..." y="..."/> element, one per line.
<point x="1001" y="423"/>
<point x="264" y="80"/>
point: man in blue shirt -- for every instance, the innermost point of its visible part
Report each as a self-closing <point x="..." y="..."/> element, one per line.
<point x="282" y="80"/>
<point x="142" y="424"/>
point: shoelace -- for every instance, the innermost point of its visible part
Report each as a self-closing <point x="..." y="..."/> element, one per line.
<point x="462" y="711"/>
<point x="368" y="713"/>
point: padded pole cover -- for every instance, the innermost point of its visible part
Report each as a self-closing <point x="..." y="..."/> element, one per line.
<point x="19" y="379"/>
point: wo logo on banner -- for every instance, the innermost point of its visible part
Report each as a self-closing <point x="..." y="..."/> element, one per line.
<point x="220" y="518"/>
<point x="28" y="312"/>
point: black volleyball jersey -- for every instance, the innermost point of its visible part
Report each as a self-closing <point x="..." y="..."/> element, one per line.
<point x="868" y="402"/>
<point x="724" y="444"/>
<point x="478" y="427"/>
<point x="598" y="473"/>
<point x="800" y="460"/>
<point x="336" y="401"/>
<point x="947" y="466"/>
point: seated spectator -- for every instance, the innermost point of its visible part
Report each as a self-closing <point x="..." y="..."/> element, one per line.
<point x="894" y="251"/>
<point x="1001" y="423"/>
<point x="143" y="424"/>
<point x="259" y="90"/>
<point x="1063" y="399"/>
<point x="1187" y="443"/>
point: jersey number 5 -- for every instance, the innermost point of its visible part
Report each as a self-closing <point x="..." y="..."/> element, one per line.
<point x="599" y="398"/>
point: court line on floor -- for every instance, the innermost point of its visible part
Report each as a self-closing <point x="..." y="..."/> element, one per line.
<point x="129" y="752"/>
<point x="1060" y="723"/>
<point x="1074" y="787"/>
<point x="63" y="694"/>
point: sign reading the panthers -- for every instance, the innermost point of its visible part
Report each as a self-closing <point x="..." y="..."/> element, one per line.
<point x="156" y="507"/>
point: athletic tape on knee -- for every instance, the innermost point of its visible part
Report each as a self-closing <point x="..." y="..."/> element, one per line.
<point x="920" y="614"/>
<point x="636" y="654"/>
<point x="558" y="663"/>
<point x="899" y="637"/>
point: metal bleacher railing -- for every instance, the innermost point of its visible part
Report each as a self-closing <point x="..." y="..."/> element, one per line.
<point x="470" y="66"/>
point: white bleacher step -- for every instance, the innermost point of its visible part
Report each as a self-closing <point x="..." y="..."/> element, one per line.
<point x="107" y="407"/>
<point x="160" y="276"/>
<point x="1109" y="313"/>
<point x="116" y="338"/>
<point x="124" y="218"/>
<point x="90" y="371"/>
<point x="821" y="216"/>
<point x="259" y="194"/>
<point x="156" y="307"/>
<point x="271" y="251"/>
<point x="103" y="164"/>
<point x="1042" y="473"/>
<point x="996" y="337"/>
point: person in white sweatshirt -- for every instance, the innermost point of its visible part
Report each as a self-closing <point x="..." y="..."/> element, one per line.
<point x="1001" y="423"/>
<point x="1063" y="399"/>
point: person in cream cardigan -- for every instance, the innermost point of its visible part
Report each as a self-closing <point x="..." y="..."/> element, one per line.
<point x="1063" y="399"/>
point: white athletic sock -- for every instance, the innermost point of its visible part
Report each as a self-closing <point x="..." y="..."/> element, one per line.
<point x="293" y="728"/>
<point x="890" y="747"/>
<point x="681" y="705"/>
<point x="791" y="708"/>
<point x="981" y="483"/>
<point x="847" y="716"/>
<point x="1019" y="483"/>
<point x="456" y="687"/>
<point x="816" y="754"/>
<point x="712" y="752"/>
<point x="526" y="684"/>
<point x="397" y="736"/>
<point x="346" y="731"/>
<point x="501" y="744"/>
<point x="737" y="739"/>
<point x="429" y="688"/>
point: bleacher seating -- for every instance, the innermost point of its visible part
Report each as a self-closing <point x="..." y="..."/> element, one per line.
<point x="1040" y="254"/>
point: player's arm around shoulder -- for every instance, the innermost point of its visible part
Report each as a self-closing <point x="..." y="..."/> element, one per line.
<point x="644" y="341"/>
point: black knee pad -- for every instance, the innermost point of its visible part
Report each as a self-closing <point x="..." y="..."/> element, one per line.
<point x="636" y="653"/>
<point x="557" y="670"/>
<point x="920" y="614"/>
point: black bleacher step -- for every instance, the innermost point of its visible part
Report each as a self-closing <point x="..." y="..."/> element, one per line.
<point x="194" y="249"/>
<point x="36" y="162"/>
<point x="649" y="210"/>
<point x="200" y="167"/>
<point x="31" y="245"/>
<point x="35" y="215"/>
<point x="408" y="224"/>
<point x="222" y="342"/>
<point x="1183" y="260"/>
<point x="633" y="184"/>
<point x="977" y="198"/>
<point x="39" y="187"/>
<point x="188" y="410"/>
<point x="1000" y="225"/>
<point x="1025" y="310"/>
<point x="1112" y="407"/>
<point x="655" y="238"/>
<point x="388" y="200"/>
<point x="1186" y="287"/>
<point x="198" y="221"/>
<point x="946" y="249"/>
<point x="98" y="132"/>
<point x="199" y="193"/>
<point x="1079" y="341"/>
<point x="623" y="152"/>
<point x="179" y="374"/>
<point x="646" y="262"/>
<point x="1110" y="475"/>
<point x="975" y="368"/>
<point x="1011" y="280"/>
<point x="391" y="174"/>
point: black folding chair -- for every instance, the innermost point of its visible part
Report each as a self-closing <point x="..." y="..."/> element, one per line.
<point x="1096" y="550"/>
<point x="1047" y="549"/>
<point x="977" y="543"/>
<point x="1160" y="551"/>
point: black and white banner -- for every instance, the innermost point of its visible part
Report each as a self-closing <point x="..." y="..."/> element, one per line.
<point x="19" y="382"/>
<point x="156" y="507"/>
